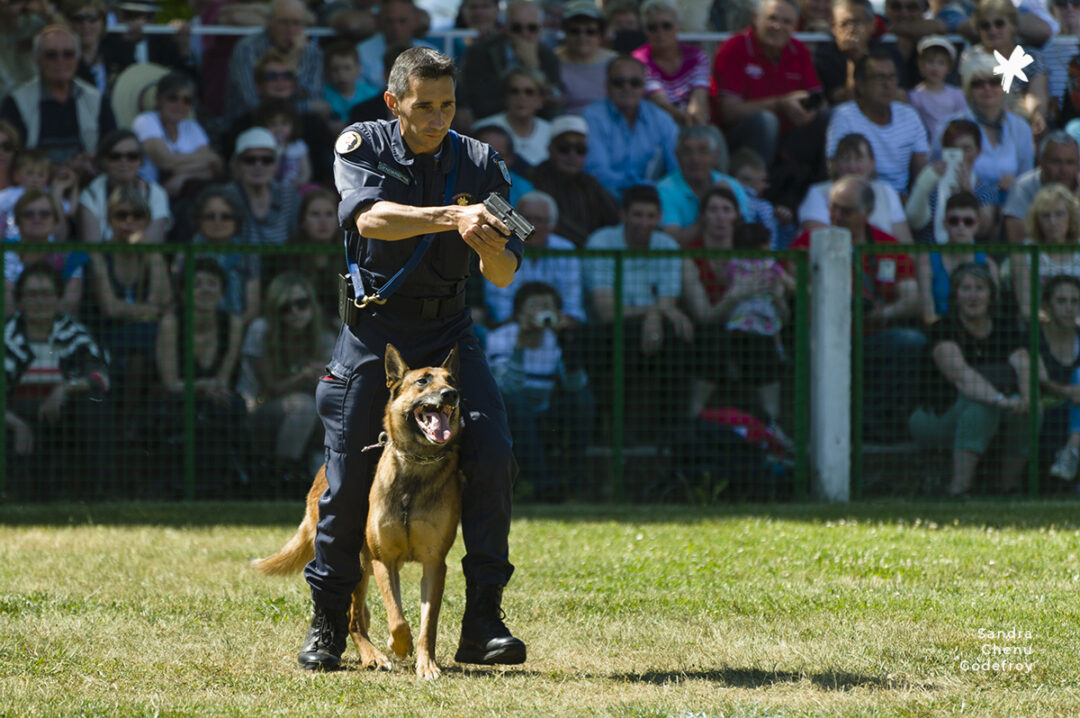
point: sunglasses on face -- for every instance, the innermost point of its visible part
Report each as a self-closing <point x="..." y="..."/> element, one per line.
<point x="252" y="160"/>
<point x="591" y="31"/>
<point x="997" y="23"/>
<point x="85" y="17"/>
<point x="218" y="217"/>
<point x="129" y="156"/>
<point x="658" y="26"/>
<point x="564" y="148"/>
<point x="36" y="214"/>
<point x="295" y="305"/>
<point x="621" y="82"/>
<point x="519" y="27"/>
<point x="984" y="83"/>
<point x="126" y="215"/>
<point x="183" y="99"/>
<point x="527" y="91"/>
<point x="1066" y="3"/>
<point x="958" y="221"/>
<point x="272" y="75"/>
<point x="68" y="54"/>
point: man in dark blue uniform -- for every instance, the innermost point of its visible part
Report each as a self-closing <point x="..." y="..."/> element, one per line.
<point x="398" y="181"/>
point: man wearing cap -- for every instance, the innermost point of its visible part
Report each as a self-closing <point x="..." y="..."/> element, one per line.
<point x="285" y="33"/>
<point x="1059" y="162"/>
<point x="852" y="29"/>
<point x="270" y="207"/>
<point x="633" y="139"/>
<point x="56" y="111"/>
<point x="584" y="205"/>
<point x="402" y="184"/>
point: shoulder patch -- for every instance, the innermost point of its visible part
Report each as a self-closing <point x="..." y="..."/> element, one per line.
<point x="347" y="142"/>
<point x="505" y="171"/>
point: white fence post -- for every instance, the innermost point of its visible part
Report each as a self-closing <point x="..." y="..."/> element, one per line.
<point x="830" y="362"/>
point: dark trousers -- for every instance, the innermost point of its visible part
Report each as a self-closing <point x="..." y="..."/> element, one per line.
<point x="351" y="400"/>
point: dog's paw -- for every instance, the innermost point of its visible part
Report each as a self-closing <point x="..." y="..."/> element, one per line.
<point x="400" y="642"/>
<point x="427" y="669"/>
<point x="375" y="660"/>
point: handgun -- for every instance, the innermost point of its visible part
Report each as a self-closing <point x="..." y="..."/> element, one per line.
<point x="509" y="216"/>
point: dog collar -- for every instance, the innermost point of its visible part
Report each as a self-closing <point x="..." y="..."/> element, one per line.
<point x="384" y="442"/>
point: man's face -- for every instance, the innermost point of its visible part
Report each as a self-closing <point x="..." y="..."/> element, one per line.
<point x="844" y="209"/>
<point x="626" y="85"/>
<point x="878" y="86"/>
<point x="815" y="11"/>
<point x="342" y="72"/>
<point x="1060" y="163"/>
<point x="539" y="214"/>
<point x="641" y="220"/>
<point x="523" y="23"/>
<point x="567" y="153"/>
<point x="286" y="26"/>
<point x="903" y="10"/>
<point x="397" y="21"/>
<point x="851" y="28"/>
<point x="961" y="224"/>
<point x="425" y="112"/>
<point x="277" y="81"/>
<point x="696" y="158"/>
<point x="773" y="24"/>
<point x="57" y="58"/>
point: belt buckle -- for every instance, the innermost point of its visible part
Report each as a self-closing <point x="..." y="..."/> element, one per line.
<point x="429" y="308"/>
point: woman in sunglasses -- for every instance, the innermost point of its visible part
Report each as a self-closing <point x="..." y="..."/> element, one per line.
<point x="176" y="145"/>
<point x="269" y="207"/>
<point x="119" y="156"/>
<point x="678" y="73"/>
<point x="997" y="22"/>
<point x="525" y="90"/>
<point x="37" y="216"/>
<point x="582" y="56"/>
<point x="283" y="356"/>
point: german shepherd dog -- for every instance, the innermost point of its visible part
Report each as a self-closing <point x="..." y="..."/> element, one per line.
<point x="413" y="509"/>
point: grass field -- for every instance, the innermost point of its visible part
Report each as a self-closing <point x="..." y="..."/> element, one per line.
<point x="870" y="609"/>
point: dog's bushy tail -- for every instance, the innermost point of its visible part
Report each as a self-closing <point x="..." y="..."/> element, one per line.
<point x="300" y="549"/>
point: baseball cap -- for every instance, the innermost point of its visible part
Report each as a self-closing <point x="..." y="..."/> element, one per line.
<point x="937" y="41"/>
<point x="581" y="8"/>
<point x="569" y="123"/>
<point x="255" y="138"/>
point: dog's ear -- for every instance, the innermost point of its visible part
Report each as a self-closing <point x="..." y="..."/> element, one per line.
<point x="396" y="368"/>
<point x="452" y="363"/>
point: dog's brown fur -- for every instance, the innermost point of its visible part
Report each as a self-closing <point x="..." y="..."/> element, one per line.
<point x="413" y="511"/>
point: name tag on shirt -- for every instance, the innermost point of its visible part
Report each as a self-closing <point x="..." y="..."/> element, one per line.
<point x="886" y="270"/>
<point x="394" y="172"/>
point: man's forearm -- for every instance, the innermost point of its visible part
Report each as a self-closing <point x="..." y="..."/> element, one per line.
<point x="499" y="270"/>
<point x="390" y="221"/>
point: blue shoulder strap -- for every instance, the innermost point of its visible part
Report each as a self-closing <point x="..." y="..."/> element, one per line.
<point x="383" y="293"/>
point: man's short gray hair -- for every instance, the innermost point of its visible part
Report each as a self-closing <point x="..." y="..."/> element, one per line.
<point x="865" y="191"/>
<point x="49" y="30"/>
<point x="697" y="132"/>
<point x="1058" y="137"/>
<point x="540" y="196"/>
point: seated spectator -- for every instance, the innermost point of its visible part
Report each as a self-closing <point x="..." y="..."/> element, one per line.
<point x="935" y="99"/>
<point x="270" y="207"/>
<point x="276" y="80"/>
<point x="120" y="50"/>
<point x="218" y="220"/>
<point x="1053" y="223"/>
<point x="623" y="33"/>
<point x="768" y="94"/>
<point x="894" y="129"/>
<point x="479" y="15"/>
<point x="517" y="44"/>
<point x="1008" y="148"/>
<point x="890" y="297"/>
<point x="583" y="59"/>
<point x="696" y="151"/>
<point x="851" y="25"/>
<point x="657" y="334"/>
<point x="524" y="90"/>
<point x="345" y="87"/>
<point x="87" y="18"/>
<point x="677" y="78"/>
<point x="177" y="148"/>
<point x="19" y="25"/>
<point x="1059" y="370"/>
<point x="1059" y="163"/>
<point x="33" y="170"/>
<point x="633" y="140"/>
<point x="584" y="205"/>
<point x="9" y="146"/>
<point x="119" y="156"/>
<point x="37" y="216"/>
<point x="58" y="440"/>
<point x="814" y="16"/>
<point x="318" y="224"/>
<point x="500" y="140"/>
<point x="294" y="156"/>
<point x="961" y="144"/>
<point x="980" y="387"/>
<point x="397" y="25"/>
<point x="749" y="170"/>
<point x="1058" y="56"/>
<point x="997" y="22"/>
<point x="539" y="371"/>
<point x="56" y="111"/>
<point x="221" y="433"/>
<point x="961" y="219"/>
<point x="283" y="355"/>
<point x="738" y="306"/>
<point x="562" y="274"/>
<point x="284" y="34"/>
<point x="854" y="155"/>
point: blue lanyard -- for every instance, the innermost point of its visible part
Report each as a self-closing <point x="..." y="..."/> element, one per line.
<point x="383" y="293"/>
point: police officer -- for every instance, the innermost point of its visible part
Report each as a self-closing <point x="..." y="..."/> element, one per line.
<point x="401" y="180"/>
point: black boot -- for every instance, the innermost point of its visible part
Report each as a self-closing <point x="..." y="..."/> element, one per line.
<point x="325" y="640"/>
<point x="484" y="637"/>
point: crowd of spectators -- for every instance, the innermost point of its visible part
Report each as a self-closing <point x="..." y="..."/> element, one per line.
<point x="619" y="135"/>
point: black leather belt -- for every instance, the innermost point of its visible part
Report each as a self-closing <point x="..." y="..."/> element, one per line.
<point x="425" y="308"/>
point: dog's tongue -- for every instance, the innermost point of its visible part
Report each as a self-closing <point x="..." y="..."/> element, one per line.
<point x="437" y="425"/>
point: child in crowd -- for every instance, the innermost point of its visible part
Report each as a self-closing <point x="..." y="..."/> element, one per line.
<point x="932" y="98"/>
<point x="31" y="169"/>
<point x="294" y="160"/>
<point x="345" y="87"/>
<point x="748" y="167"/>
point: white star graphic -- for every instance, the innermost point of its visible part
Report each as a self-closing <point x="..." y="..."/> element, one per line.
<point x="1013" y="67"/>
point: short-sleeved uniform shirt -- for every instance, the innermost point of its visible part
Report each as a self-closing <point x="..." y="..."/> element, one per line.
<point x="742" y="69"/>
<point x="372" y="162"/>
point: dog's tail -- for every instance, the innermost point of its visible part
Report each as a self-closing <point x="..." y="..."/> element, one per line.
<point x="300" y="549"/>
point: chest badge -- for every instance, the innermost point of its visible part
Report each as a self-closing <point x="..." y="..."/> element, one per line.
<point x="463" y="199"/>
<point x="347" y="142"/>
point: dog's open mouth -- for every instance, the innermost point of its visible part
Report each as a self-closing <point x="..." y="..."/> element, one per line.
<point x="434" y="421"/>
